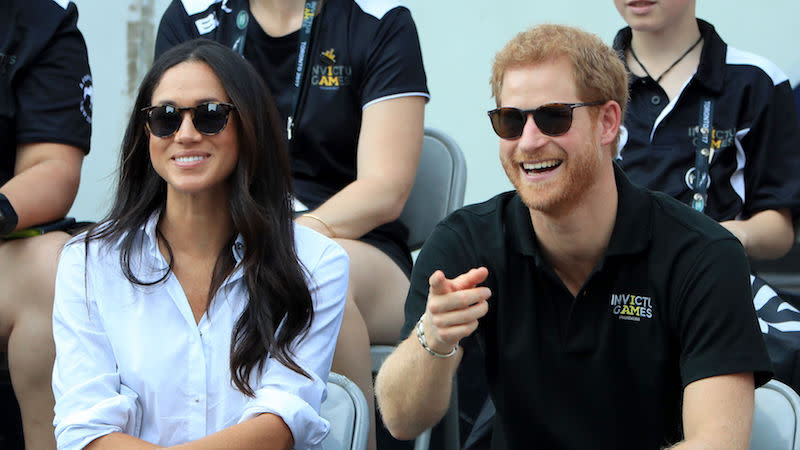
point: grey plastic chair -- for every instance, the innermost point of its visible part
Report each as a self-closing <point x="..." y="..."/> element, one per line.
<point x="346" y="409"/>
<point x="438" y="190"/>
<point x="776" y="421"/>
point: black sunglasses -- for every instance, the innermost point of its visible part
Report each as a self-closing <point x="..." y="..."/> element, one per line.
<point x="552" y="119"/>
<point x="208" y="118"/>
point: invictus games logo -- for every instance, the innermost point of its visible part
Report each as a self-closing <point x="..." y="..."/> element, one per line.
<point x="86" y="98"/>
<point x="719" y="138"/>
<point x="631" y="307"/>
<point x="329" y="75"/>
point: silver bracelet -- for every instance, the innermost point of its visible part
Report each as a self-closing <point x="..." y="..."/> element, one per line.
<point x="424" y="342"/>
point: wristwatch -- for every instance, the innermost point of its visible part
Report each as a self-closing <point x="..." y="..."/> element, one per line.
<point x="8" y="217"/>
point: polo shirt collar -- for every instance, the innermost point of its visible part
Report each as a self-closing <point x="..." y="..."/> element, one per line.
<point x="710" y="71"/>
<point x="632" y="227"/>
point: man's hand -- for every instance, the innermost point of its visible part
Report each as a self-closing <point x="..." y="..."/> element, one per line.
<point x="413" y="388"/>
<point x="454" y="307"/>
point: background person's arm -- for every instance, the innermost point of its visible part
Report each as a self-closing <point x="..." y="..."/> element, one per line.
<point x="45" y="182"/>
<point x="718" y="412"/>
<point x="389" y="146"/>
<point x="767" y="234"/>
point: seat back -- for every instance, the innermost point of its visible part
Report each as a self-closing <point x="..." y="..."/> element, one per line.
<point x="776" y="421"/>
<point x="346" y="409"/>
<point x="438" y="188"/>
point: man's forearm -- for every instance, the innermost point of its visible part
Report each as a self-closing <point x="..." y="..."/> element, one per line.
<point x="413" y="388"/>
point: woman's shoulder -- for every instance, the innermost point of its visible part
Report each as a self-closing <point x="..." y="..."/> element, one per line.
<point x="99" y="247"/>
<point x="312" y="247"/>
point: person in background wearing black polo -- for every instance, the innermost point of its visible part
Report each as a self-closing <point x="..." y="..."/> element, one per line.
<point x="678" y="62"/>
<point x="45" y="125"/>
<point x="743" y="173"/>
<point x="608" y="316"/>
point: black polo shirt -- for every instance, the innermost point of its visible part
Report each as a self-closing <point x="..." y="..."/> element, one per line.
<point x="668" y="304"/>
<point x="45" y="84"/>
<point x="755" y="125"/>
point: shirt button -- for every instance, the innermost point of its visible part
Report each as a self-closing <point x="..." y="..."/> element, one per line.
<point x="239" y="246"/>
<point x="197" y="400"/>
<point x="656" y="99"/>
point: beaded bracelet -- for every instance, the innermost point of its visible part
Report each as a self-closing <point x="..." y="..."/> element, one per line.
<point x="424" y="342"/>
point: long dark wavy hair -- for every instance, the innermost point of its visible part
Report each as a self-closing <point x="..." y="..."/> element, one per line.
<point x="260" y="205"/>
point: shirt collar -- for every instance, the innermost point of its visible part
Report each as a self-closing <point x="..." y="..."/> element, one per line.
<point x="632" y="226"/>
<point x="710" y="71"/>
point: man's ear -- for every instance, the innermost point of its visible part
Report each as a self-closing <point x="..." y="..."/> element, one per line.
<point x="608" y="120"/>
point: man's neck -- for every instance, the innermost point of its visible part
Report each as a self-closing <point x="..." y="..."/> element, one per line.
<point x="278" y="17"/>
<point x="663" y="54"/>
<point x="666" y="44"/>
<point x="574" y="240"/>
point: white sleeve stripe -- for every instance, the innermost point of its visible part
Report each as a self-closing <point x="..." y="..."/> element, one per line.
<point x="377" y="8"/>
<point x="193" y="7"/>
<point x="404" y="94"/>
<point x="738" y="57"/>
<point x="737" y="177"/>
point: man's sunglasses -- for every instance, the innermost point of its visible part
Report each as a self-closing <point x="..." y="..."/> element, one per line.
<point x="552" y="119"/>
<point x="208" y="118"/>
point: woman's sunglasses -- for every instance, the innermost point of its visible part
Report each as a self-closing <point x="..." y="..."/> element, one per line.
<point x="552" y="119"/>
<point x="208" y="118"/>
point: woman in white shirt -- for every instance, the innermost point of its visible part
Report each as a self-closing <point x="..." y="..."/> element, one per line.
<point x="197" y="314"/>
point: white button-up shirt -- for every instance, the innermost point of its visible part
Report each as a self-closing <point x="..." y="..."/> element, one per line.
<point x="132" y="359"/>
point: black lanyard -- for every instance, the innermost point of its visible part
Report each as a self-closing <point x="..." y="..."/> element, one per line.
<point x="704" y="151"/>
<point x="240" y="34"/>
<point x="309" y="11"/>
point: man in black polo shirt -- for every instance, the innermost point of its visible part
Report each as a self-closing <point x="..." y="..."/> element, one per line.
<point x="607" y="316"/>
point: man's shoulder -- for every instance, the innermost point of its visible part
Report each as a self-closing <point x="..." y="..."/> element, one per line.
<point x="742" y="63"/>
<point x="484" y="214"/>
<point x="474" y="234"/>
<point x="675" y="222"/>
